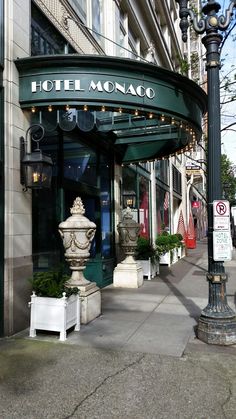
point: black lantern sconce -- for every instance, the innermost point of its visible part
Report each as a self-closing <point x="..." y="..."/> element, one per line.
<point x="129" y="199"/>
<point x="36" y="167"/>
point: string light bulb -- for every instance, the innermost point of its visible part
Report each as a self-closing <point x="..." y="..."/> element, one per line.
<point x="162" y="118"/>
<point x="50" y="108"/>
<point x="33" y="109"/>
<point x="85" y="108"/>
<point x="103" y="109"/>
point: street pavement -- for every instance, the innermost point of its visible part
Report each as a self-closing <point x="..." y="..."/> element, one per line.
<point x="139" y="359"/>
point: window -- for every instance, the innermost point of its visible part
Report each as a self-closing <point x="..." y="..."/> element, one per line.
<point x="80" y="7"/>
<point x="132" y="45"/>
<point x="136" y="195"/>
<point x="45" y="39"/>
<point x="162" y="171"/>
<point x="90" y="13"/>
<point x="122" y="35"/>
<point x="96" y="15"/>
<point x="177" y="185"/>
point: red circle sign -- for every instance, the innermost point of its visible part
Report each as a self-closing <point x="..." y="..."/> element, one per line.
<point x="221" y="208"/>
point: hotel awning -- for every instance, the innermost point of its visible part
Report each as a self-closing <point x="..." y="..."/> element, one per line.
<point x="144" y="111"/>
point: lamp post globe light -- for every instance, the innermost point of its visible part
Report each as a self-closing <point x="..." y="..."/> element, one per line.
<point x="217" y="323"/>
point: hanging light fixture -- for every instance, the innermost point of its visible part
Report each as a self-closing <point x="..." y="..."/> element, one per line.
<point x="36" y="167"/>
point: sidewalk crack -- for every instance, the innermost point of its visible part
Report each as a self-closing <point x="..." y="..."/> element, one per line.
<point x="137" y="361"/>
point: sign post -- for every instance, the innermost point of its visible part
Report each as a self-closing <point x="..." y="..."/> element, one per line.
<point x="222" y="244"/>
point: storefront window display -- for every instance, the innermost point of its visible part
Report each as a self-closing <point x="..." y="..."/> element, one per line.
<point x="144" y="205"/>
<point x="79" y="170"/>
<point x="136" y="195"/>
<point x="162" y="197"/>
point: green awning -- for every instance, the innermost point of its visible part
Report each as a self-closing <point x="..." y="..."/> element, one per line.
<point x="144" y="111"/>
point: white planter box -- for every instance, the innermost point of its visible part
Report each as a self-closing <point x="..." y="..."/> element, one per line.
<point x="174" y="256"/>
<point x="181" y="252"/>
<point x="165" y="259"/>
<point x="54" y="314"/>
<point x="150" y="270"/>
<point x="169" y="257"/>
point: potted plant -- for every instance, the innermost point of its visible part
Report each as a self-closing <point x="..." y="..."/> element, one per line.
<point x="168" y="247"/>
<point x="53" y="306"/>
<point x="147" y="256"/>
<point x="163" y="246"/>
<point x="180" y="245"/>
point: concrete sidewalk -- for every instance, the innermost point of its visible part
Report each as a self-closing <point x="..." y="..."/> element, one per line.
<point x="139" y="360"/>
<point x="158" y="317"/>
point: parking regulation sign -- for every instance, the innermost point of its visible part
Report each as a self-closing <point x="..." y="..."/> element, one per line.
<point x="222" y="246"/>
<point x="221" y="215"/>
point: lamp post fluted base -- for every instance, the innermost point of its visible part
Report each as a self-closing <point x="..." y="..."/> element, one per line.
<point x="217" y="323"/>
<point x="217" y="331"/>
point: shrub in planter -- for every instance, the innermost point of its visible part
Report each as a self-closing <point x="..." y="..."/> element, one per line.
<point x="145" y="250"/>
<point x="53" y="306"/>
<point x="163" y="243"/>
<point x="51" y="284"/>
<point x="147" y="255"/>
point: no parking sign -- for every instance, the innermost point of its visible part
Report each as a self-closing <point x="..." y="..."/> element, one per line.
<point x="221" y="213"/>
<point x="222" y="242"/>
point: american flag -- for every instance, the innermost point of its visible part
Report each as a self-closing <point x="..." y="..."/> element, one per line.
<point x="159" y="221"/>
<point x="166" y="201"/>
<point x="191" y="229"/>
<point x="181" y="226"/>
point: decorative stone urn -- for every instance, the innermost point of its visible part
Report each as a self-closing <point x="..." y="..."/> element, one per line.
<point x="128" y="273"/>
<point x="77" y="233"/>
<point x="128" y="230"/>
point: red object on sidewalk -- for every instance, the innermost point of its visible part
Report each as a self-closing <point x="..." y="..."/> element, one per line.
<point x="191" y="242"/>
<point x="190" y="237"/>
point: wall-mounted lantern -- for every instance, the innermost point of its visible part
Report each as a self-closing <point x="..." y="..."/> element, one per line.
<point x="129" y="199"/>
<point x="36" y="167"/>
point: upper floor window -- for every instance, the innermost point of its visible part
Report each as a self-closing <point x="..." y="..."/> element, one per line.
<point x="132" y="45"/>
<point x="91" y="14"/>
<point x="176" y="178"/>
<point x="45" y="38"/>
<point x="80" y="7"/>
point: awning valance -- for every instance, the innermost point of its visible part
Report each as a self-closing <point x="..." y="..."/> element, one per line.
<point x="151" y="112"/>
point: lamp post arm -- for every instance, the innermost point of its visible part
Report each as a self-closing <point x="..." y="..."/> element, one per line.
<point x="207" y="23"/>
<point x="198" y="25"/>
<point x="224" y="21"/>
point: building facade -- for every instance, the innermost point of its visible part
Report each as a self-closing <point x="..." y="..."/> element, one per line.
<point x="101" y="77"/>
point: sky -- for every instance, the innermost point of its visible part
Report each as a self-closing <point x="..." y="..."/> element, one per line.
<point x="228" y="113"/>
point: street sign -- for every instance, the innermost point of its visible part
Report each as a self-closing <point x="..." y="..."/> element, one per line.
<point x="222" y="246"/>
<point x="221" y="213"/>
<point x="221" y="208"/>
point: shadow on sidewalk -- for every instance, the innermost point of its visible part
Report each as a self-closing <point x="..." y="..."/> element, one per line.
<point x="173" y="275"/>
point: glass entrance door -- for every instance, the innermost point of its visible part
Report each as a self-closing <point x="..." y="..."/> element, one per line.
<point x="79" y="170"/>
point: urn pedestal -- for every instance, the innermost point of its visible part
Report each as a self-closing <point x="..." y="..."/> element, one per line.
<point x="77" y="233"/>
<point x="128" y="273"/>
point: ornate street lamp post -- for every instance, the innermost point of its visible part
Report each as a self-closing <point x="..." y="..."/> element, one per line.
<point x="217" y="323"/>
